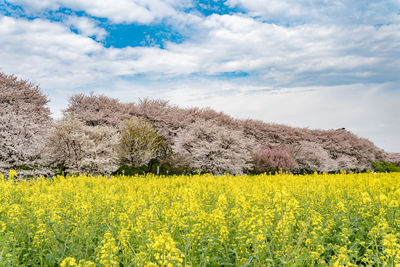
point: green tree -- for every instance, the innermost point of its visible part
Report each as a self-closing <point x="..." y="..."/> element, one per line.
<point x="139" y="143"/>
<point x="384" y="166"/>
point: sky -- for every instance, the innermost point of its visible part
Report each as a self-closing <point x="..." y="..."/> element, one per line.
<point x="306" y="63"/>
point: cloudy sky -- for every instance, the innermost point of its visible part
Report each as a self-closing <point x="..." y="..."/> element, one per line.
<point x="309" y="63"/>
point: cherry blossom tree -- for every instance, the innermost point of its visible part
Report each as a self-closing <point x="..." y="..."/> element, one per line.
<point x="24" y="121"/>
<point x="214" y="148"/>
<point x="312" y="156"/>
<point x="82" y="149"/>
<point x="340" y="148"/>
<point x="96" y="110"/>
<point x="393" y="158"/>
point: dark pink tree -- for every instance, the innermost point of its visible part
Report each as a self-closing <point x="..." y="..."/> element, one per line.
<point x="273" y="159"/>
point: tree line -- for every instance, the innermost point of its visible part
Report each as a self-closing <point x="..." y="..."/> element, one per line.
<point x="101" y="135"/>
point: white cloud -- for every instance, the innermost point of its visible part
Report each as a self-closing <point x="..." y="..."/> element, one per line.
<point x="310" y="54"/>
<point x="86" y="27"/>
<point x="118" y="11"/>
<point x="322" y="11"/>
<point x="285" y="54"/>
<point x="47" y="51"/>
<point x="277" y="11"/>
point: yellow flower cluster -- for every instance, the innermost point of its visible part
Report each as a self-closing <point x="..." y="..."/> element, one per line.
<point x="165" y="252"/>
<point x="12" y="174"/>
<point x="202" y="220"/>
<point x="71" y="262"/>
<point x="107" y="256"/>
<point x="68" y="262"/>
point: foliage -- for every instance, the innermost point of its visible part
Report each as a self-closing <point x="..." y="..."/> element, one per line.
<point x="139" y="143"/>
<point x="213" y="148"/>
<point x="24" y="121"/>
<point x="340" y="149"/>
<point x="202" y="220"/>
<point x="175" y="163"/>
<point x="96" y="110"/>
<point x="393" y="158"/>
<point x="273" y="159"/>
<point x="82" y="148"/>
<point x="384" y="166"/>
<point x="312" y="156"/>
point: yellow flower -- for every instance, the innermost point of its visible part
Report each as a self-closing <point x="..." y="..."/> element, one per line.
<point x="107" y="255"/>
<point x="202" y="220"/>
<point x="12" y="174"/>
<point x="68" y="262"/>
<point x="3" y="226"/>
<point x="84" y="263"/>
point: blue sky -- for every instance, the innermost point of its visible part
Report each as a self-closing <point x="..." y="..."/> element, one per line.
<point x="318" y="64"/>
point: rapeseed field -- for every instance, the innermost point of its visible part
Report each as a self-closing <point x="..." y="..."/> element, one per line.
<point x="202" y="220"/>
